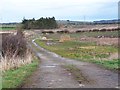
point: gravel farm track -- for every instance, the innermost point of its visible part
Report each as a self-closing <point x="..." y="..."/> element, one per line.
<point x="51" y="74"/>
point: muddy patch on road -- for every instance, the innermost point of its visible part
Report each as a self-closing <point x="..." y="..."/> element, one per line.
<point x="78" y="75"/>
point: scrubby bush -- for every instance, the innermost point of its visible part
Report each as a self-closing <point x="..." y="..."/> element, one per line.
<point x="14" y="45"/>
<point x="95" y="30"/>
<point x="63" y="31"/>
<point x="50" y="32"/>
<point x="103" y="30"/>
<point x="14" y="51"/>
<point x="78" y="31"/>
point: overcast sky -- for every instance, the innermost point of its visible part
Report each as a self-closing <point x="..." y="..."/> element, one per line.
<point x="15" y="10"/>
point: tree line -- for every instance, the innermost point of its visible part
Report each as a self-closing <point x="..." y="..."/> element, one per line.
<point x="42" y="23"/>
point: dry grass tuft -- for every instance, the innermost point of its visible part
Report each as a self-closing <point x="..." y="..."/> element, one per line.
<point x="64" y="38"/>
<point x="7" y="63"/>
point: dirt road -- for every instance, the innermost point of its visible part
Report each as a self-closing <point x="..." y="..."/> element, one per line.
<point x="51" y="74"/>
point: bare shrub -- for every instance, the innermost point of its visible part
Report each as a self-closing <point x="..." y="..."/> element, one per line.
<point x="65" y="31"/>
<point x="90" y="30"/>
<point x="78" y="31"/>
<point x="14" y="45"/>
<point x="95" y="30"/>
<point x="103" y="30"/>
<point x="44" y="32"/>
<point x="14" y="51"/>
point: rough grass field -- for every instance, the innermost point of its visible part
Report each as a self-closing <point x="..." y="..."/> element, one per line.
<point x="84" y="51"/>
<point x="8" y="28"/>
<point x="14" y="78"/>
<point x="88" y="34"/>
<point x="95" y="54"/>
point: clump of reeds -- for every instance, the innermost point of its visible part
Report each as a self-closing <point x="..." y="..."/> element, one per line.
<point x="7" y="63"/>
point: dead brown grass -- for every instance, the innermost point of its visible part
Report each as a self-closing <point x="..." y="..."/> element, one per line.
<point x="7" y="63"/>
<point x="101" y="41"/>
<point x="64" y="38"/>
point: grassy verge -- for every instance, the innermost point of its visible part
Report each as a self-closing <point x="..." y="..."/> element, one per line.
<point x="14" y="78"/>
<point x="0" y="80"/>
<point x="109" y="64"/>
<point x="84" y="51"/>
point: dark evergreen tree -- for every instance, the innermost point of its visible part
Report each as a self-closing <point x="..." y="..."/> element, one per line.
<point x="42" y="23"/>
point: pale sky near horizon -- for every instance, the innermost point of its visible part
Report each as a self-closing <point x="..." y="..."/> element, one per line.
<point x="76" y="10"/>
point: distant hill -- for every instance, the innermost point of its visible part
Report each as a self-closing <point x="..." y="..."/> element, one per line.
<point x="115" y="21"/>
<point x="68" y="22"/>
<point x="12" y="23"/>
